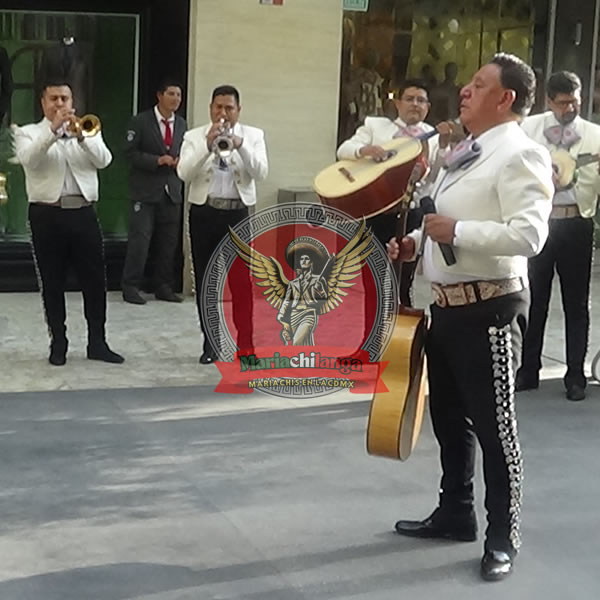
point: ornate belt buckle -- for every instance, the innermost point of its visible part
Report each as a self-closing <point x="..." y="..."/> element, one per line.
<point x="439" y="295"/>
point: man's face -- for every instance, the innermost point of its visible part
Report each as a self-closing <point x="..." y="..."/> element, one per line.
<point x="565" y="106"/>
<point x="484" y="102"/>
<point x="305" y="261"/>
<point x="225" y="107"/>
<point x="413" y="105"/>
<point x="169" y="100"/>
<point x="56" y="98"/>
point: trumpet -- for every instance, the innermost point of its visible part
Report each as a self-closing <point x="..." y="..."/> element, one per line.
<point x="223" y="144"/>
<point x="86" y="126"/>
<point x="3" y="192"/>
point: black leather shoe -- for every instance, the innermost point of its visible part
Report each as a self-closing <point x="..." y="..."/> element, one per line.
<point x="104" y="353"/>
<point x="58" y="354"/>
<point x="438" y="525"/>
<point x="168" y="296"/>
<point x="575" y="393"/>
<point x="208" y="357"/>
<point x="133" y="296"/>
<point x="496" y="565"/>
<point x="526" y="382"/>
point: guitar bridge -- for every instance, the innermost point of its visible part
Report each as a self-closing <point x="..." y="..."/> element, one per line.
<point x="346" y="174"/>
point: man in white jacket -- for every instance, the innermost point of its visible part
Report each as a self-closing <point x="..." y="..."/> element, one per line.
<point x="220" y="191"/>
<point x="493" y="201"/>
<point x="569" y="248"/>
<point x="412" y="106"/>
<point x="62" y="187"/>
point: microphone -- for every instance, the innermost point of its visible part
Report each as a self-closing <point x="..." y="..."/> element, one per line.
<point x="428" y="208"/>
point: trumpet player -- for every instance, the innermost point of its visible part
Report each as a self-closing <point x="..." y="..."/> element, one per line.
<point x="61" y="162"/>
<point x="221" y="162"/>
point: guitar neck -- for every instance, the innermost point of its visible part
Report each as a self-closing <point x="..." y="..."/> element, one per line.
<point x="587" y="159"/>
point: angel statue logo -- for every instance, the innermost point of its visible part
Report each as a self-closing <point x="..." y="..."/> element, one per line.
<point x="299" y="300"/>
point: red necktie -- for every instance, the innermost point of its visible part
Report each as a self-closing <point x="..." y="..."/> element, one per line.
<point x="168" y="134"/>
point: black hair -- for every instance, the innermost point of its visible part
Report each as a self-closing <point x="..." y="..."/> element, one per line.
<point x="54" y="83"/>
<point x="226" y="90"/>
<point x="562" y="82"/>
<point x="416" y="83"/>
<point x="168" y="82"/>
<point x="518" y="76"/>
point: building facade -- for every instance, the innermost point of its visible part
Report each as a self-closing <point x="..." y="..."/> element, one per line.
<point x="308" y="71"/>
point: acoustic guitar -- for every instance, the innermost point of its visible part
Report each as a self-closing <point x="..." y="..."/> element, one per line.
<point x="396" y="416"/>
<point x="365" y="187"/>
<point x="565" y="166"/>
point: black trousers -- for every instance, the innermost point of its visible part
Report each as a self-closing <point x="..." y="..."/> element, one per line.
<point x="568" y="251"/>
<point x="161" y="220"/>
<point x="473" y="352"/>
<point x="384" y="228"/>
<point x="208" y="226"/>
<point x="64" y="238"/>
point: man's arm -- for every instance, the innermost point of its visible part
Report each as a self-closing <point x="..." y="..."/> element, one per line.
<point x="31" y="147"/>
<point x="254" y="156"/>
<point x="96" y="151"/>
<point x="525" y="192"/>
<point x="349" y="149"/>
<point x="193" y="158"/>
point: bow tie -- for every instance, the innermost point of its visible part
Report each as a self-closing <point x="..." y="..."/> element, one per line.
<point x="562" y="136"/>
<point x="409" y="131"/>
<point x="462" y="155"/>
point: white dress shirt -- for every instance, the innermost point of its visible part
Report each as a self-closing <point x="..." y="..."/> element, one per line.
<point x="222" y="184"/>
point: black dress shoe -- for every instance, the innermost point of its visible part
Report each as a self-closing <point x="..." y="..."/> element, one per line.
<point x="102" y="352"/>
<point x="208" y="357"/>
<point x="526" y="382"/>
<point x="575" y="393"/>
<point x="443" y="526"/>
<point x="57" y="357"/>
<point x="496" y="565"/>
<point x="168" y="296"/>
<point x="133" y="297"/>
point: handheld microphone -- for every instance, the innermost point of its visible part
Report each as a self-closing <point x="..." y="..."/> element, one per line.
<point x="428" y="208"/>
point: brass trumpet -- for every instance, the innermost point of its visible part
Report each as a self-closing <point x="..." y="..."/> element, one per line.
<point x="3" y="192"/>
<point x="86" y="126"/>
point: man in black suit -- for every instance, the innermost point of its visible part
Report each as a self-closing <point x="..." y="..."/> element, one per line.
<point x="153" y="142"/>
<point x="6" y="83"/>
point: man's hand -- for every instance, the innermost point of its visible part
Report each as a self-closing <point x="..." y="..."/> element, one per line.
<point x="445" y="129"/>
<point x="439" y="228"/>
<point x="61" y="117"/>
<point x="376" y="152"/>
<point x="215" y="131"/>
<point x="402" y="251"/>
<point x="168" y="160"/>
<point x="237" y="141"/>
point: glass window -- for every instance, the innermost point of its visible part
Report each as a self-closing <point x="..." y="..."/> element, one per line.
<point x="103" y="67"/>
<point x="442" y="42"/>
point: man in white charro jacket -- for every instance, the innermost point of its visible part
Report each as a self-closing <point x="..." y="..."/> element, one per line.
<point x="412" y="106"/>
<point x="493" y="201"/>
<point x="571" y="238"/>
<point x="220" y="190"/>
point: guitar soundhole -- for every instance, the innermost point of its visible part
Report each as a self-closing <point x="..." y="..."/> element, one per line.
<point x="389" y="154"/>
